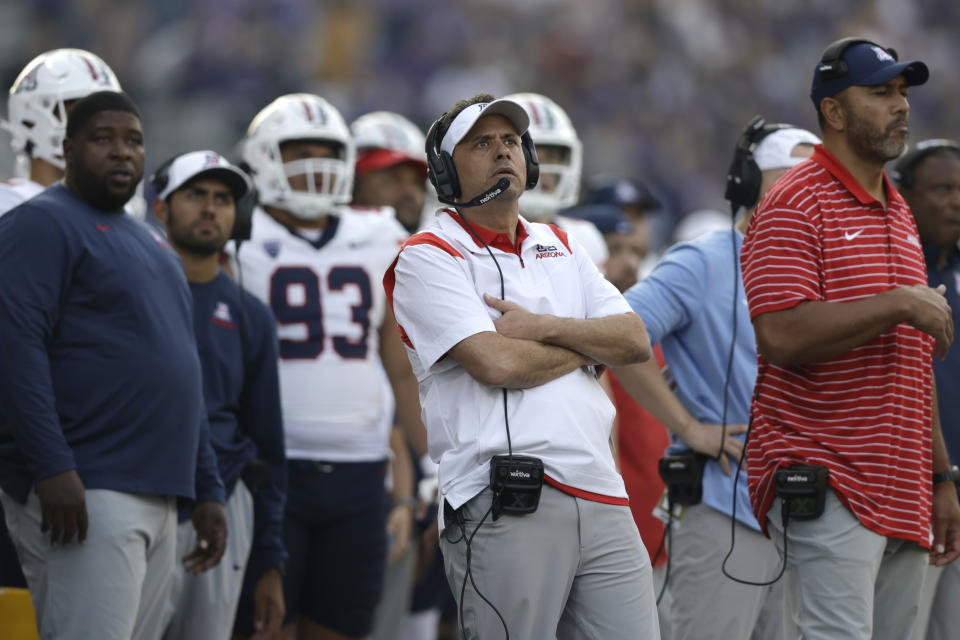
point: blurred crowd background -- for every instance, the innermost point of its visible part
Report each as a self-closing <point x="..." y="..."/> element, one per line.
<point x="658" y="89"/>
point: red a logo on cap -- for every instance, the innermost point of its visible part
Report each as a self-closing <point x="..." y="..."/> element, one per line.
<point x="882" y="55"/>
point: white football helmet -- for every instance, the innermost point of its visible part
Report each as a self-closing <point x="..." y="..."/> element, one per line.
<point x="559" y="185"/>
<point x="300" y="116"/>
<point x="390" y="131"/>
<point x="36" y="114"/>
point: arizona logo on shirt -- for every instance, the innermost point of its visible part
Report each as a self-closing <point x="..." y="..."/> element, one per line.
<point x="548" y="251"/>
<point x="221" y="316"/>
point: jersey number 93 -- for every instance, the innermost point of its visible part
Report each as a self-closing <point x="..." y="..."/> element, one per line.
<point x="308" y="310"/>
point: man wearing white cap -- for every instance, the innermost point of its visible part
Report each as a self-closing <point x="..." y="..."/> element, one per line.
<point x="197" y="195"/>
<point x="687" y="304"/>
<point x="504" y="321"/>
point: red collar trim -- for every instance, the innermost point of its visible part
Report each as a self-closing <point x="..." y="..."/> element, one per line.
<point x="829" y="162"/>
<point x="495" y="240"/>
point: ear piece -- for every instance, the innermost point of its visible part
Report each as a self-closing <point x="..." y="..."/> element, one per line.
<point x="243" y="221"/>
<point x="531" y="158"/>
<point x="161" y="176"/>
<point x="440" y="167"/>
<point x="744" y="176"/>
<point x="832" y="64"/>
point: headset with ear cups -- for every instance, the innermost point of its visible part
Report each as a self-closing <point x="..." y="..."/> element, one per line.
<point x="243" y="218"/>
<point x="833" y="66"/>
<point x="744" y="176"/>
<point x="161" y="176"/>
<point x="443" y="172"/>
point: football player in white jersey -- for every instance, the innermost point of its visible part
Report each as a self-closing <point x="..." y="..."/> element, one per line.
<point x="36" y="116"/>
<point x="561" y="166"/>
<point x="319" y="265"/>
<point x="391" y="166"/>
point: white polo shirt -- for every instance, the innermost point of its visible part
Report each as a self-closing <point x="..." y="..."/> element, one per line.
<point x="436" y="287"/>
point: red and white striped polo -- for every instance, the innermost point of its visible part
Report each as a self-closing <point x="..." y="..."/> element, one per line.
<point x="866" y="415"/>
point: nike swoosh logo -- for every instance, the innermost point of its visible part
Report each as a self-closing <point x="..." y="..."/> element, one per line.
<point x="850" y="236"/>
<point x="102" y="227"/>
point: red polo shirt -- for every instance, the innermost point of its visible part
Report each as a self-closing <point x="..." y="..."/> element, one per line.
<point x="818" y="235"/>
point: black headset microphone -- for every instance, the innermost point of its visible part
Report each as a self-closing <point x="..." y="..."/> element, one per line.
<point x="502" y="185"/>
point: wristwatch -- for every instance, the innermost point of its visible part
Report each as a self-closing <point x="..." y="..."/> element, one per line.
<point x="950" y="475"/>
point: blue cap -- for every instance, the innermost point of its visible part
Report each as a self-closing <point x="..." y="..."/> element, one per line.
<point x="856" y="62"/>
<point x="623" y="192"/>
<point x="607" y="218"/>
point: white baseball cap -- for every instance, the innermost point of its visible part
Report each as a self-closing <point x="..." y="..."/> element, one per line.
<point x="191" y="165"/>
<point x="465" y="120"/>
<point x="774" y="151"/>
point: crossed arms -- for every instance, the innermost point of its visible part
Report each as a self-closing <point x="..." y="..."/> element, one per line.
<point x="530" y="349"/>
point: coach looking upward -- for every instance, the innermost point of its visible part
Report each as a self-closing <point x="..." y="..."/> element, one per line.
<point x="102" y="422"/>
<point x="845" y="326"/>
<point x="576" y="566"/>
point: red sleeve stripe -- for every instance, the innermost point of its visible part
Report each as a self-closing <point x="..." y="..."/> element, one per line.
<point x="425" y="237"/>
<point x="389" y="281"/>
<point x="390" y="278"/>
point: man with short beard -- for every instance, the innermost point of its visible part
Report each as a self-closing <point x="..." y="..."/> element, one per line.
<point x="102" y="422"/>
<point x="197" y="200"/>
<point x="846" y="326"/>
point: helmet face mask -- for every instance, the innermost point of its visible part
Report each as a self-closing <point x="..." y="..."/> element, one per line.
<point x="327" y="181"/>
<point x="560" y="153"/>
<point x="37" y="106"/>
